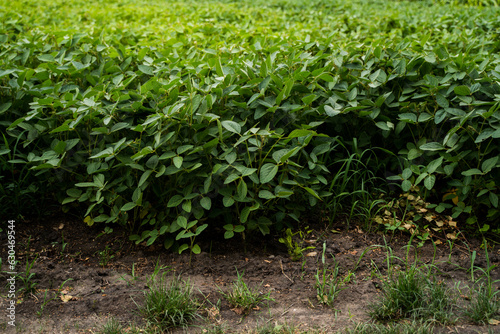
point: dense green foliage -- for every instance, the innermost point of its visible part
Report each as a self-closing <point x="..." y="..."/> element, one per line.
<point x="171" y="117"/>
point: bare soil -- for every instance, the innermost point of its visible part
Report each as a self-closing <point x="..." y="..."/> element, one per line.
<point x="98" y="291"/>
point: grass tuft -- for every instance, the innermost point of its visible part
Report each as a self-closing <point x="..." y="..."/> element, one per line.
<point x="112" y="326"/>
<point x="243" y="298"/>
<point x="413" y="293"/>
<point x="398" y="328"/>
<point x="168" y="303"/>
<point x="484" y="305"/>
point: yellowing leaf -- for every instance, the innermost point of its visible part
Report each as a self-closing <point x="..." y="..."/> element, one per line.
<point x="89" y="221"/>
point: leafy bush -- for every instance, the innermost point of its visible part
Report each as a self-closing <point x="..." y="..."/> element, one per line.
<point x="239" y="119"/>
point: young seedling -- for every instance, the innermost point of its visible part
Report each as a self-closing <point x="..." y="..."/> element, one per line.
<point x="27" y="277"/>
<point x="105" y="256"/>
<point x="328" y="283"/>
<point x="134" y="277"/>
<point x="295" y="249"/>
<point x="46" y="301"/>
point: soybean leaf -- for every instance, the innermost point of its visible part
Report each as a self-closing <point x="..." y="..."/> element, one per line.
<point x="268" y="172"/>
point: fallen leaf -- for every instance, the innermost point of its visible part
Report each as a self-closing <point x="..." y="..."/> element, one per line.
<point x="237" y="310"/>
<point x="438" y="242"/>
<point x="493" y="322"/>
<point x="267" y="261"/>
<point x="429" y="217"/>
<point x="311" y="254"/>
<point x="66" y="298"/>
<point x="61" y="226"/>
<point x="423" y="210"/>
<point x="452" y="223"/>
<point x="439" y="223"/>
<point x="451" y="236"/>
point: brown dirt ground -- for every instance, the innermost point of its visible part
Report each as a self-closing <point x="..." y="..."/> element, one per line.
<point x="96" y="293"/>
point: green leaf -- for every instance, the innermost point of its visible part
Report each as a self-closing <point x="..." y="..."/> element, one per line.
<point x="493" y="199"/>
<point x="408" y="117"/>
<point x="312" y="192"/>
<point x="429" y="181"/>
<point x="406" y="185"/>
<point x="73" y="192"/>
<point x="407" y="173"/>
<point x="242" y="190"/>
<point x="182" y="222"/>
<point x="178" y="162"/>
<point x="432" y="146"/>
<point x="137" y="196"/>
<point x="462" y="90"/>
<point x="128" y="206"/>
<point x="434" y="164"/>
<point x="330" y="111"/>
<point x="228" y="234"/>
<point x="472" y="171"/>
<point x="206" y="203"/>
<point x="327" y="77"/>
<point x="414" y="154"/>
<point x="227" y="201"/>
<point x="239" y="228"/>
<point x="4" y="107"/>
<point x="144" y="177"/>
<point x="231" y="126"/>
<point x="183" y="148"/>
<point x="244" y="214"/>
<point x="266" y="194"/>
<point x="196" y="249"/>
<point x="442" y="101"/>
<point x="183" y="247"/>
<point x="146" y="69"/>
<point x="175" y="201"/>
<point x="186" y="206"/>
<point x="200" y="229"/>
<point x="384" y="125"/>
<point x="268" y="172"/>
<point x="301" y="133"/>
<point x="245" y="171"/>
<point x="231" y="178"/>
<point x="489" y="164"/>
